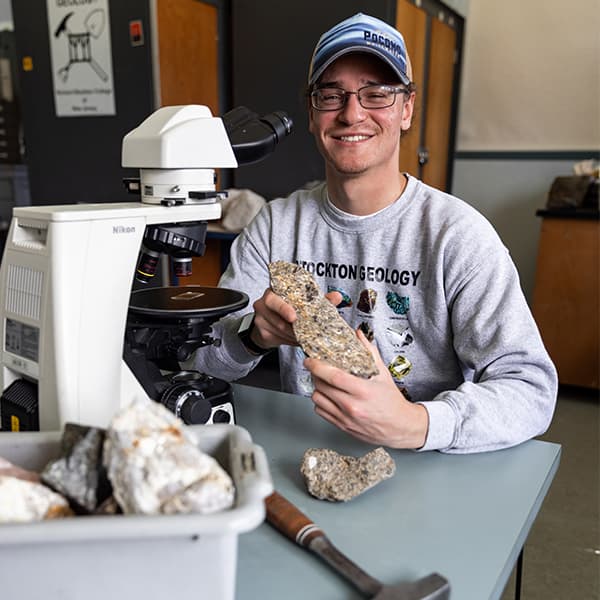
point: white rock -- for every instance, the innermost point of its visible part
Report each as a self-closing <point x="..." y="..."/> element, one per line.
<point x="22" y="501"/>
<point x="155" y="465"/>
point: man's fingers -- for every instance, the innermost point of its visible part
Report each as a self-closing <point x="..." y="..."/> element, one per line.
<point x="372" y="348"/>
<point x="272" y="325"/>
<point x="279" y="306"/>
<point x="327" y="408"/>
<point x="334" y="297"/>
<point x="273" y="319"/>
<point x="364" y="341"/>
<point x="325" y="374"/>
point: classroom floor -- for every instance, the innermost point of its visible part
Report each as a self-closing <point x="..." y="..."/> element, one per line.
<point x="562" y="553"/>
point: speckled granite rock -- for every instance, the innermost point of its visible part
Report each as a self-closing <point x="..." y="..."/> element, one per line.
<point x="319" y="329"/>
<point x="335" y="477"/>
<point x="155" y="465"/>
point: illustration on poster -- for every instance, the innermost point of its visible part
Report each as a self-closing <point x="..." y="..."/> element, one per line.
<point x="80" y="50"/>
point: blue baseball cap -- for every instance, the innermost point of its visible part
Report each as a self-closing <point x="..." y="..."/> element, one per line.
<point x="361" y="33"/>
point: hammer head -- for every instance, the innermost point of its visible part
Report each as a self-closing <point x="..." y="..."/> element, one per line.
<point x="62" y="26"/>
<point x="431" y="587"/>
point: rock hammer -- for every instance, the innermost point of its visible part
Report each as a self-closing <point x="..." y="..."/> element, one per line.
<point x="294" y="524"/>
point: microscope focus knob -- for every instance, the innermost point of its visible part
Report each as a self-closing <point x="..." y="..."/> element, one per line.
<point x="188" y="403"/>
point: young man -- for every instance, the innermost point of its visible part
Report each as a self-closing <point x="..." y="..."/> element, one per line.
<point x="462" y="367"/>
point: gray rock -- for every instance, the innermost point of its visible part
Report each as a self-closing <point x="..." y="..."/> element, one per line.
<point x="78" y="473"/>
<point x="335" y="477"/>
<point x="319" y="329"/>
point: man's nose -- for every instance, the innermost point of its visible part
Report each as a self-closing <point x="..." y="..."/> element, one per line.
<point x="352" y="111"/>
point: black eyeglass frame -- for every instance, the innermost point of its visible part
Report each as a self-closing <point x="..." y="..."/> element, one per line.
<point x="344" y="93"/>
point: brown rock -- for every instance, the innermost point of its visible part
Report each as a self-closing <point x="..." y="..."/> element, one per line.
<point x="319" y="329"/>
<point x="335" y="477"/>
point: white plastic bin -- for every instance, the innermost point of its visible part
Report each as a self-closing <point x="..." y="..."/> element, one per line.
<point x="135" y="556"/>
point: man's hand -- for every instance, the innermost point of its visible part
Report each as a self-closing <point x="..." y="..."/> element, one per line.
<point x="274" y="318"/>
<point x="373" y="410"/>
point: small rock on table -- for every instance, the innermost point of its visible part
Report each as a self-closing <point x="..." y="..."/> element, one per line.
<point x="335" y="477"/>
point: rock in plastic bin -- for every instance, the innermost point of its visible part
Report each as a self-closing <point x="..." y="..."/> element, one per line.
<point x="155" y="465"/>
<point x="116" y="556"/>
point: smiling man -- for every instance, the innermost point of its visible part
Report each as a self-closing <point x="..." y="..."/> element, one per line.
<point x="462" y="367"/>
<point x="358" y="133"/>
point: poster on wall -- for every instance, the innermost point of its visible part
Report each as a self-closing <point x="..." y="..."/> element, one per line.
<point x="81" y="59"/>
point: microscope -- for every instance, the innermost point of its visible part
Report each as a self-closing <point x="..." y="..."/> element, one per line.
<point x="84" y="329"/>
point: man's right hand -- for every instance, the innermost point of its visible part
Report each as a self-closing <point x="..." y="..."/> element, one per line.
<point x="274" y="318"/>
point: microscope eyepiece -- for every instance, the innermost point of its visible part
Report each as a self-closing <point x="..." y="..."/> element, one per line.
<point x="280" y="123"/>
<point x="253" y="137"/>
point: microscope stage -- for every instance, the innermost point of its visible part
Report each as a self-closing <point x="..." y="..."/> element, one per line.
<point x="186" y="301"/>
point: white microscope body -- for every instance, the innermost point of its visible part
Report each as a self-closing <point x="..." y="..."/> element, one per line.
<point x="67" y="271"/>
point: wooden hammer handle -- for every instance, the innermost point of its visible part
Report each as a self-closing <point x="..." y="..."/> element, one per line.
<point x="294" y="524"/>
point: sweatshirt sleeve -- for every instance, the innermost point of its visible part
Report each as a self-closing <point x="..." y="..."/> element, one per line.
<point x="510" y="386"/>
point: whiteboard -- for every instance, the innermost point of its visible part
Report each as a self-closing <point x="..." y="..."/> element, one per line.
<point x="531" y="76"/>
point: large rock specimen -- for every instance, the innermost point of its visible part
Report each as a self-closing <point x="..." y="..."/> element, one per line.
<point x="335" y="477"/>
<point x="320" y="330"/>
<point x="155" y="465"/>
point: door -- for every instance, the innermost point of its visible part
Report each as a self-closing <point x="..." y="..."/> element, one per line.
<point x="433" y="38"/>
<point x="438" y="114"/>
<point x="188" y="53"/>
<point x="189" y="65"/>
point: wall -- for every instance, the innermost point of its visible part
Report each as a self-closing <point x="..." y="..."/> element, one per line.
<point x="459" y="6"/>
<point x="529" y="109"/>
<point x="530" y="76"/>
<point x="508" y="192"/>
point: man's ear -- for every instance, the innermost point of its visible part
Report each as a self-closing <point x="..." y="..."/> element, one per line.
<point x="407" y="112"/>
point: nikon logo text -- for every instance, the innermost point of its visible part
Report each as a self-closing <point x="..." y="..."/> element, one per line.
<point x="123" y="229"/>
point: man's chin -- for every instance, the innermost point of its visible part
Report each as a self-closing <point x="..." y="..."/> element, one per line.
<point x="349" y="169"/>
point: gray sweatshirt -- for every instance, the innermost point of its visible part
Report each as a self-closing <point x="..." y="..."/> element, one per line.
<point x="429" y="277"/>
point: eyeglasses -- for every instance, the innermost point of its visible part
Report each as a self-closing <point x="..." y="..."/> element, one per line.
<point x="369" y="96"/>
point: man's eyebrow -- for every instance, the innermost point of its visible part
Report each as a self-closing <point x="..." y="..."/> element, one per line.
<point x="323" y="84"/>
<point x="338" y="84"/>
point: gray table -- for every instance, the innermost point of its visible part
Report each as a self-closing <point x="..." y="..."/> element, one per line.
<point x="466" y="517"/>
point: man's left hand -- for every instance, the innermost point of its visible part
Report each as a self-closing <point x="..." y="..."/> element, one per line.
<point x="373" y="410"/>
